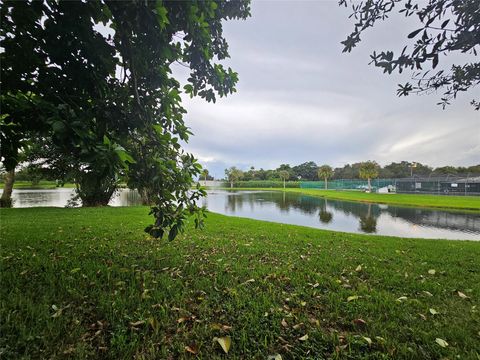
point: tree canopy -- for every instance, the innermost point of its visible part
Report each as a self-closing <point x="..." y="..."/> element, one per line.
<point x="105" y="102"/>
<point x="445" y="27"/>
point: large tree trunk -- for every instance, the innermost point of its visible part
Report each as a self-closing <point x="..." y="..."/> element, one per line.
<point x="326" y="183"/>
<point x="95" y="190"/>
<point x="284" y="183"/>
<point x="369" y="185"/>
<point x="6" y="200"/>
<point x="231" y="184"/>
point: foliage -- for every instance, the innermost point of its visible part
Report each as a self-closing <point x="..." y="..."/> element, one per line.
<point x="447" y="27"/>
<point x="306" y="171"/>
<point x="204" y="174"/>
<point x="325" y="172"/>
<point x="106" y="97"/>
<point x="404" y="169"/>
<point x="284" y="174"/>
<point x="368" y="170"/>
<point x="233" y="175"/>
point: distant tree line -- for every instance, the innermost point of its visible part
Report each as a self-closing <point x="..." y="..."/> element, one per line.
<point x="310" y="171"/>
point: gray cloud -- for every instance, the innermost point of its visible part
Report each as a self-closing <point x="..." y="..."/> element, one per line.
<point x="300" y="99"/>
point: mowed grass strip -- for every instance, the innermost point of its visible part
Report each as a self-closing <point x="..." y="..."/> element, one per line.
<point x="88" y="283"/>
<point x="432" y="201"/>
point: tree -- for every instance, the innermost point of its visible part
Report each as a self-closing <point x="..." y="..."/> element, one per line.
<point x="109" y="125"/>
<point x="325" y="172"/>
<point x="403" y="169"/>
<point x="284" y="175"/>
<point x="233" y="175"/>
<point x="306" y="171"/>
<point x="447" y="27"/>
<point x="369" y="170"/>
<point x="205" y="175"/>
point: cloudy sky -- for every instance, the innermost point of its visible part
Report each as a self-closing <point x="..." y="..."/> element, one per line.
<point x="300" y="98"/>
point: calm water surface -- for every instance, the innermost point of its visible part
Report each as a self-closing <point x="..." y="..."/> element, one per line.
<point x="288" y="208"/>
<point x="60" y="196"/>
<point x="354" y="217"/>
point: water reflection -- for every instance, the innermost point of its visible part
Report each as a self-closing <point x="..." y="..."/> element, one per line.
<point x="59" y="197"/>
<point x="291" y="208"/>
<point x="368" y="221"/>
<point x="346" y="216"/>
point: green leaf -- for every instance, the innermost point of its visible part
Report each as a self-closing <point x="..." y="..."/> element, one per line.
<point x="58" y="127"/>
<point x="161" y="14"/>
<point x="352" y="298"/>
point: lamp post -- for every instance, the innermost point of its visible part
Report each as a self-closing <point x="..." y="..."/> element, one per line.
<point x="412" y="165"/>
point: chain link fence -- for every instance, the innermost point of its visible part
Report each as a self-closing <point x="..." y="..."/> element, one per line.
<point x="438" y="185"/>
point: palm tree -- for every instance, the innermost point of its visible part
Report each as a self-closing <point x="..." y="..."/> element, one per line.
<point x="369" y="170"/>
<point x="205" y="175"/>
<point x="325" y="172"/>
<point x="284" y="175"/>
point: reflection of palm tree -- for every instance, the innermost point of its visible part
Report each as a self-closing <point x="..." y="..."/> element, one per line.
<point x="368" y="223"/>
<point x="324" y="215"/>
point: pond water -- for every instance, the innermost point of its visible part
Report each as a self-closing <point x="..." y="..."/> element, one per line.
<point x="354" y="217"/>
<point x="59" y="197"/>
<point x="297" y="209"/>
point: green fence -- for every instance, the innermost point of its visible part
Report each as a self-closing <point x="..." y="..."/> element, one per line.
<point x="347" y="184"/>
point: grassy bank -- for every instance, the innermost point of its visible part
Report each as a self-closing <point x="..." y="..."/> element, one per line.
<point x="433" y="201"/>
<point x="44" y="184"/>
<point x="84" y="283"/>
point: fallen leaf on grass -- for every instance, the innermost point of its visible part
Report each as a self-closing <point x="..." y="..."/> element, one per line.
<point x="137" y="323"/>
<point x="380" y="339"/>
<point x="360" y="322"/>
<point x="218" y="326"/>
<point x="284" y="323"/>
<point x="402" y="298"/>
<point x="154" y="324"/>
<point x="191" y="349"/>
<point x="368" y="340"/>
<point x="303" y="338"/>
<point x="224" y="342"/>
<point x="58" y="311"/>
<point x="441" y="342"/>
<point x="352" y="298"/>
<point x="462" y="295"/>
<point x="275" y="357"/>
<point x="433" y="311"/>
<point x="359" y="268"/>
<point x="432" y="271"/>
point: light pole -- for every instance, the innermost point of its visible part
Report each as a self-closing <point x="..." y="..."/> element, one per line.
<point x="412" y="165"/>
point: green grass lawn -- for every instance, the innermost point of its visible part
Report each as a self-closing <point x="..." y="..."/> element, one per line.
<point x="43" y="184"/>
<point x="433" y="201"/>
<point x="88" y="283"/>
